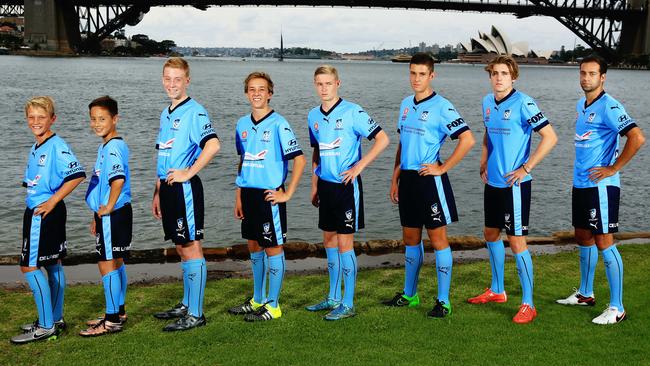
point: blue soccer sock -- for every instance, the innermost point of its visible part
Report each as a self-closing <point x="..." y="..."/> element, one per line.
<point x="197" y="274"/>
<point x="444" y="264"/>
<point x="276" y="275"/>
<point x="497" y="262"/>
<point x="335" y="271"/>
<point x="525" y="271"/>
<point x="186" y="286"/>
<point x="112" y="291"/>
<point x="614" y="272"/>
<point x="56" y="281"/>
<point x="258" y="262"/>
<point x="588" y="261"/>
<point x="41" y="291"/>
<point x="124" y="281"/>
<point x="349" y="264"/>
<point x="413" y="257"/>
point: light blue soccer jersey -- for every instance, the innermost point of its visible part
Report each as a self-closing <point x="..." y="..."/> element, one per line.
<point x="112" y="163"/>
<point x="265" y="146"/>
<point x="598" y="127"/>
<point x="423" y="127"/>
<point x="50" y="164"/>
<point x="338" y="134"/>
<point x="509" y="124"/>
<point x="183" y="133"/>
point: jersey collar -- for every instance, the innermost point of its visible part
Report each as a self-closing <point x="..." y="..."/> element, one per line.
<point x="416" y="102"/>
<point x="497" y="102"/>
<point x="331" y="109"/>
<point x="261" y="119"/>
<point x="594" y="101"/>
<point x="170" y="110"/>
<point x="114" y="138"/>
<point x="43" y="143"/>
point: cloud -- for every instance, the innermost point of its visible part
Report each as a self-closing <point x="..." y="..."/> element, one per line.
<point x="340" y="29"/>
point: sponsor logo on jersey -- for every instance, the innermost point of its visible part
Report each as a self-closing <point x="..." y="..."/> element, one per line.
<point x="41" y="160"/>
<point x="506" y="114"/>
<point x="591" y="117"/>
<point x="536" y="118"/>
<point x="34" y="182"/>
<point x="244" y="135"/>
<point x="176" y="124"/>
<point x="487" y="115"/>
<point x="166" y="145"/>
<point x="316" y="126"/>
<point x="584" y="137"/>
<point x="330" y="146"/>
<point x="266" y="136"/>
<point x="254" y="157"/>
<point x="405" y="113"/>
<point x="455" y="123"/>
<point x="96" y="172"/>
<point x="424" y="116"/>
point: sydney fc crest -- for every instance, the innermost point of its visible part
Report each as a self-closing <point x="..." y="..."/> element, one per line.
<point x="266" y="136"/>
<point x="506" y="114"/>
<point x="591" y="117"/>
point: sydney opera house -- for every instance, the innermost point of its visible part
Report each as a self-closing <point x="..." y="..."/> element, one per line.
<point x="487" y="46"/>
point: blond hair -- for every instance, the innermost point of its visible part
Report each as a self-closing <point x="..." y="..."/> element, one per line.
<point x="326" y="69"/>
<point x="504" y="60"/>
<point x="44" y="102"/>
<point x="177" y="63"/>
<point x="259" y="75"/>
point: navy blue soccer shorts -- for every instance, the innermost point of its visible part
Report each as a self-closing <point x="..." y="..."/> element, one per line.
<point x="113" y="234"/>
<point x="508" y="208"/>
<point x="181" y="205"/>
<point x="263" y="222"/>
<point x="596" y="208"/>
<point x="341" y="206"/>
<point x="44" y="241"/>
<point x="425" y="200"/>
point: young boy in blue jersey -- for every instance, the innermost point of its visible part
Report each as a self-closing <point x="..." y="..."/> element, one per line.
<point x="420" y="184"/>
<point x="600" y="120"/>
<point x="109" y="197"/>
<point x="510" y="118"/>
<point x="265" y="143"/>
<point x="52" y="173"/>
<point x="186" y="144"/>
<point x="336" y="128"/>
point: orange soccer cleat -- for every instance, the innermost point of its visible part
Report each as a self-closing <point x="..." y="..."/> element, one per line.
<point x="526" y="314"/>
<point x="488" y="296"/>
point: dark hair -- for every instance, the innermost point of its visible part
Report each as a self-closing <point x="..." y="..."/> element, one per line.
<point x="597" y="59"/>
<point x="422" y="58"/>
<point x="105" y="102"/>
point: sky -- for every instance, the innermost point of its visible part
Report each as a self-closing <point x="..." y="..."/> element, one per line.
<point x="341" y="29"/>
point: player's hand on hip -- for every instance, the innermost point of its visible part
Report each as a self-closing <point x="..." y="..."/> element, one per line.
<point x="599" y="173"/>
<point x="177" y="176"/>
<point x="274" y="197"/>
<point x="155" y="206"/>
<point x="44" y="208"/>
<point x="431" y="169"/>
<point x="394" y="192"/>
<point x="516" y="176"/>
<point x="350" y="174"/>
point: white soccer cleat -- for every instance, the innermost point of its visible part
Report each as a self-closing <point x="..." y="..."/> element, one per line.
<point x="611" y="315"/>
<point x="576" y="298"/>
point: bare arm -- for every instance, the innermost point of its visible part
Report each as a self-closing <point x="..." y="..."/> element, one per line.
<point x="315" y="160"/>
<point x="211" y="148"/>
<point x="46" y="207"/>
<point x="281" y="195"/>
<point x="635" y="140"/>
<point x="394" y="183"/>
<point x="465" y="143"/>
<point x="381" y="142"/>
<point x="484" y="158"/>
<point x="549" y="139"/>
<point x="116" y="189"/>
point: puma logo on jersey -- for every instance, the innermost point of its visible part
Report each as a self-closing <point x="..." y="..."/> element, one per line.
<point x="331" y="146"/>
<point x="259" y="156"/>
<point x="166" y="145"/>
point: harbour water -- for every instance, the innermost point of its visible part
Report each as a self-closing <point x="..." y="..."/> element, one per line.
<point x="217" y="84"/>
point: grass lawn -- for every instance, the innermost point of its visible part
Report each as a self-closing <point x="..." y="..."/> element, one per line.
<point x="473" y="334"/>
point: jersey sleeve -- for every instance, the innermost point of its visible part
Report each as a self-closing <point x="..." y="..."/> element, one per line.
<point x="532" y="116"/>
<point x="114" y="161"/>
<point x="67" y="165"/>
<point x="453" y="124"/>
<point x="288" y="142"/>
<point x="238" y="143"/>
<point x="401" y="116"/>
<point x="618" y="119"/>
<point x="364" y="125"/>
<point x="312" y="138"/>
<point x="201" y="129"/>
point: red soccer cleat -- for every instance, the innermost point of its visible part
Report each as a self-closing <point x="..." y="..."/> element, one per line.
<point x="526" y="314"/>
<point x="488" y="296"/>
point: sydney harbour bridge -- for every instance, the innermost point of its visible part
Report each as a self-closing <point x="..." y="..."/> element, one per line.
<point x="612" y="27"/>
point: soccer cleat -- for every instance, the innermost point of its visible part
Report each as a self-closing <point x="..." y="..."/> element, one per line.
<point x="35" y="334"/>
<point x="440" y="310"/>
<point x="90" y="323"/>
<point x="248" y="307"/>
<point x="576" y="298"/>
<point x="178" y="311"/>
<point x="526" y="314"/>
<point x="488" y="296"/>
<point x="340" y="312"/>
<point x="611" y="315"/>
<point x="265" y="312"/>
<point x="28" y="327"/>
<point x="187" y="322"/>
<point x="327" y="304"/>
<point x="101" y="328"/>
<point x="401" y="299"/>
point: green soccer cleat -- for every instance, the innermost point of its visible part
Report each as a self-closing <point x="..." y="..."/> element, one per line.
<point x="401" y="300"/>
<point x="440" y="310"/>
